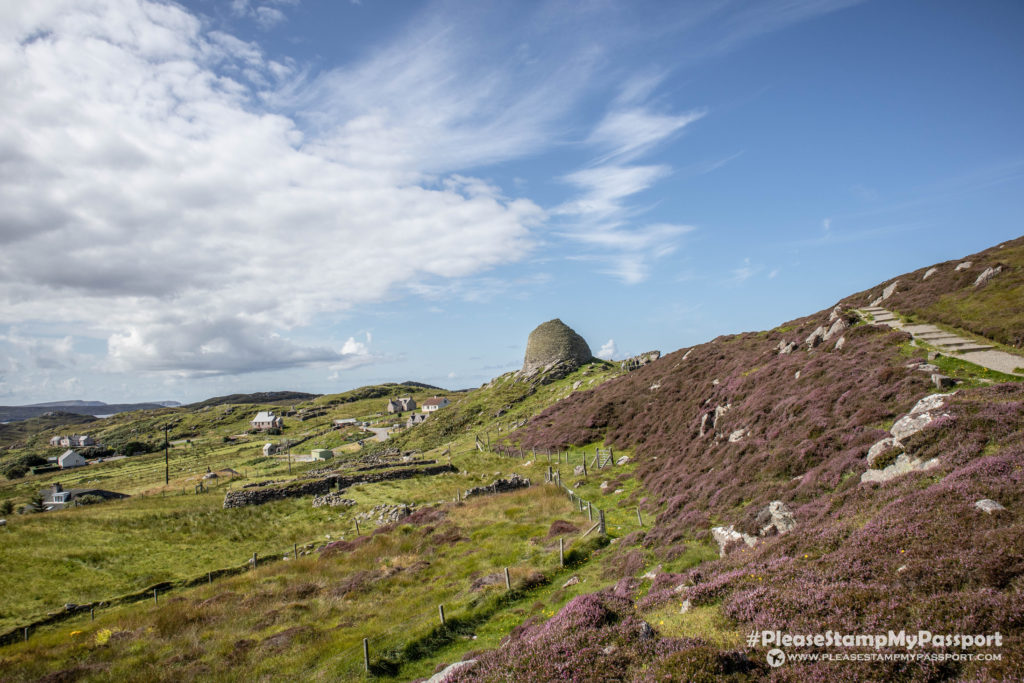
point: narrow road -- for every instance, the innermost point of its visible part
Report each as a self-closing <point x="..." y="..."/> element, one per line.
<point x="953" y="345"/>
<point x="379" y="433"/>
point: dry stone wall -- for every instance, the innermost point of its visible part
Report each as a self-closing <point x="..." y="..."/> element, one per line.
<point x="319" y="487"/>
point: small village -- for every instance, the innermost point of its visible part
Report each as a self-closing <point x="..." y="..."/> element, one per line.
<point x="397" y="414"/>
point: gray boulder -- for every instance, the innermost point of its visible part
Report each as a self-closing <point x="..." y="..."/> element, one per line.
<point x="988" y="506"/>
<point x="729" y="539"/>
<point x="775" y="518"/>
<point x="445" y="674"/>
<point x="815" y="338"/>
<point x="838" y="327"/>
<point x="963" y="266"/>
<point x="928" y="273"/>
<point x="879" y="448"/>
<point x="904" y="465"/>
<point x="987" y="275"/>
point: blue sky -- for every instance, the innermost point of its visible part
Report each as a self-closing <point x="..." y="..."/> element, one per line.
<point x="213" y="197"/>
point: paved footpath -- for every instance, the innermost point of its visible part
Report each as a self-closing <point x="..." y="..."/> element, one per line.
<point x="950" y="344"/>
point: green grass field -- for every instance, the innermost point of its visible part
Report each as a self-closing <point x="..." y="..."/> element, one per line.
<point x="386" y="589"/>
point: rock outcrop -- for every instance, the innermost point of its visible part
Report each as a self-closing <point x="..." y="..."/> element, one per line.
<point x="498" y="486"/>
<point x="553" y="348"/>
<point x="640" y="361"/>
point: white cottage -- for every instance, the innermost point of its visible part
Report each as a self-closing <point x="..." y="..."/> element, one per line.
<point x="71" y="459"/>
<point x="435" y="403"/>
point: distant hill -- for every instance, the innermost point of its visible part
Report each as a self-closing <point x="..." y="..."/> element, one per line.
<point x="258" y="397"/>
<point x="92" y="408"/>
<point x="15" y="432"/>
<point x="420" y="385"/>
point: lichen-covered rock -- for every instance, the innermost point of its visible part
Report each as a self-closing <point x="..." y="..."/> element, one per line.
<point x="923" y="412"/>
<point x="879" y="448"/>
<point x="729" y="539"/>
<point x="987" y="275"/>
<point x="928" y="273"/>
<point x="963" y="266"/>
<point x="815" y="338"/>
<point x="449" y="671"/>
<point x="838" y="327"/>
<point x="886" y="293"/>
<point x="775" y="518"/>
<point x="554" y="344"/>
<point x="332" y="499"/>
<point x="904" y="465"/>
<point x="988" y="506"/>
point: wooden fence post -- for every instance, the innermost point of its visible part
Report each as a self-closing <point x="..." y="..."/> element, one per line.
<point x="26" y="634"/>
<point x="590" y="512"/>
<point x="295" y="551"/>
<point x="600" y="517"/>
<point x="155" y="601"/>
<point x="92" y="614"/>
<point x="209" y="577"/>
<point x="508" y="580"/>
<point x="254" y="560"/>
<point x="357" y="527"/>
<point x="366" y="654"/>
<point x="584" y="458"/>
<point x="561" y="553"/>
<point x="440" y="609"/>
<point x="638" y="517"/>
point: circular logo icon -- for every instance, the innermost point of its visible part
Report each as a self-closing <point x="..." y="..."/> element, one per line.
<point x="776" y="657"/>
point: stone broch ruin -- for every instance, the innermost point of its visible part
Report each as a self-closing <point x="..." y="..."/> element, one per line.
<point x="555" y="350"/>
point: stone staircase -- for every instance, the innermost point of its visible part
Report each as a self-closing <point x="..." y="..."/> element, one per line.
<point x="947" y="342"/>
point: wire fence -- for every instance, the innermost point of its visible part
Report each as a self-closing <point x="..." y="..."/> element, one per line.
<point x="382" y="651"/>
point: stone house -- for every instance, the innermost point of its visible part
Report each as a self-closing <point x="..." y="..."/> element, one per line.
<point x="266" y="419"/>
<point x="401" y="405"/>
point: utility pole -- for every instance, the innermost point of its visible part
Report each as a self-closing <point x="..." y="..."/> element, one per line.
<point x="167" y="459"/>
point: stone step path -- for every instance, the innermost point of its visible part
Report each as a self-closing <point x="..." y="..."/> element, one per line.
<point x="978" y="353"/>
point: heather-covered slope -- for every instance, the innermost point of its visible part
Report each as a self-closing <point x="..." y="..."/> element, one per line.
<point x="993" y="308"/>
<point x="795" y="427"/>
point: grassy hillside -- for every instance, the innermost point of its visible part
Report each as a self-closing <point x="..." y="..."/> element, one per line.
<point x="706" y="440"/>
<point x="18" y="433"/>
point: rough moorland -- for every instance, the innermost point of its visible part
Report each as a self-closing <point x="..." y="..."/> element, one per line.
<point x="982" y="293"/>
<point x="721" y="430"/>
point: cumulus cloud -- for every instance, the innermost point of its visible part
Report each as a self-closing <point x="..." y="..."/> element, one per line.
<point x="146" y="194"/>
<point x="42" y="353"/>
<point x="608" y="350"/>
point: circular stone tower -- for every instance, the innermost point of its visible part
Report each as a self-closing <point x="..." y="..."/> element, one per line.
<point x="554" y="343"/>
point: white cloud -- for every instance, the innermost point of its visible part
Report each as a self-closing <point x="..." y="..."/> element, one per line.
<point x="628" y="133"/>
<point x="42" y="353"/>
<point x="826" y="224"/>
<point x="608" y="350"/>
<point x="144" y="195"/>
